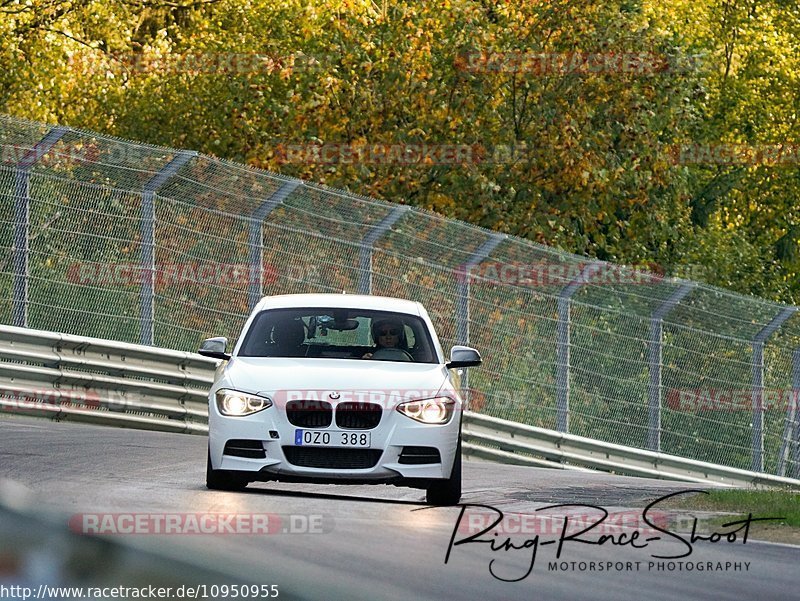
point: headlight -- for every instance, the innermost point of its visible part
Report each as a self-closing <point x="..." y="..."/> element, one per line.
<point x="238" y="404"/>
<point x="429" y="411"/>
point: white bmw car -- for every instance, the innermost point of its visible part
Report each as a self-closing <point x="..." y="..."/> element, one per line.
<point x="337" y="388"/>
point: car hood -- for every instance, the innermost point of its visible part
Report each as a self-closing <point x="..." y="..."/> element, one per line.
<point x="319" y="377"/>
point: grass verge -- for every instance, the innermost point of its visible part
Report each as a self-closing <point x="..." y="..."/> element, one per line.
<point x="739" y="503"/>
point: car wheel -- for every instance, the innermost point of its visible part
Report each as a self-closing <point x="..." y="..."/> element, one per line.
<point x="447" y="492"/>
<point x="224" y="479"/>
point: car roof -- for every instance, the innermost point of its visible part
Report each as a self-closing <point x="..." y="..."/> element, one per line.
<point x="336" y="301"/>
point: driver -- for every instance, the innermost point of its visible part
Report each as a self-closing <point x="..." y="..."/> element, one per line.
<point x="387" y="333"/>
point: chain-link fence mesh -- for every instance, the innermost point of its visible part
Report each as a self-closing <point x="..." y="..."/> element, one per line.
<point x="108" y="238"/>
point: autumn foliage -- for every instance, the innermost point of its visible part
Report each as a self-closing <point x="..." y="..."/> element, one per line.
<point x="559" y="121"/>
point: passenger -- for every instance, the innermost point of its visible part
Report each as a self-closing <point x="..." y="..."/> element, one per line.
<point x="287" y="338"/>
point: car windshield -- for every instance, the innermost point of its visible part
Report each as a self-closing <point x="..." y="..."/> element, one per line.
<point x="339" y="334"/>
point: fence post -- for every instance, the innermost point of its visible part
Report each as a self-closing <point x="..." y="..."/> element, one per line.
<point x="365" y="248"/>
<point x="148" y="226"/>
<point x="256" y="239"/>
<point x="795" y="472"/>
<point x="462" y="311"/>
<point x="789" y="440"/>
<point x="562" y="349"/>
<point x="655" y="350"/>
<point x="758" y="385"/>
<point x="22" y="212"/>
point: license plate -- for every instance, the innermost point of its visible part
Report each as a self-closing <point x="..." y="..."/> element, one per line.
<point x="331" y="438"/>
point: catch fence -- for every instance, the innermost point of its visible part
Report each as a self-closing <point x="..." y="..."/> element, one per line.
<point x="118" y="240"/>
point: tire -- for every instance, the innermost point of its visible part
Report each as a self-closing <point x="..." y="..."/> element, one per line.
<point x="224" y="479"/>
<point x="447" y="492"/>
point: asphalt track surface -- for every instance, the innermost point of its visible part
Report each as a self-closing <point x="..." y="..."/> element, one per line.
<point x="383" y="542"/>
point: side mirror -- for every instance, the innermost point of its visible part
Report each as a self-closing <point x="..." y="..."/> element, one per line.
<point x="463" y="356"/>
<point x="215" y="348"/>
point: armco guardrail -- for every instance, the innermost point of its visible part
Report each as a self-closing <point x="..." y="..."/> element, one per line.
<point x="102" y="381"/>
<point x="52" y="550"/>
<point x="507" y="442"/>
<point x="98" y="381"/>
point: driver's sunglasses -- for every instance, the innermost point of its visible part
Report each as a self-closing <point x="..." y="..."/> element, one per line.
<point x="390" y="332"/>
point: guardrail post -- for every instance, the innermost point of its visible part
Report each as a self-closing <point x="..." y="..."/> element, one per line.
<point x="562" y="349"/>
<point x="22" y="211"/>
<point x="791" y="427"/>
<point x="256" y="239"/>
<point x="656" y="347"/>
<point x="758" y="385"/>
<point x="148" y="226"/>
<point x="365" y="248"/>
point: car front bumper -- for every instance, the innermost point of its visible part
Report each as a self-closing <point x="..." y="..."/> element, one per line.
<point x="394" y="434"/>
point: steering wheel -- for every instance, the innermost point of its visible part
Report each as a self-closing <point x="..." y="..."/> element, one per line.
<point x="392" y="354"/>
